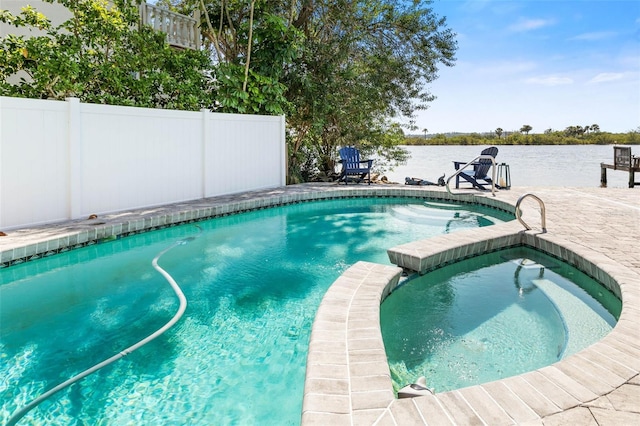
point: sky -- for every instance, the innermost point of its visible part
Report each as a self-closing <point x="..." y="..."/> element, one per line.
<point x="549" y="64"/>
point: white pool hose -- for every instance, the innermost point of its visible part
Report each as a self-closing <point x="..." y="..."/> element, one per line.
<point x="183" y="305"/>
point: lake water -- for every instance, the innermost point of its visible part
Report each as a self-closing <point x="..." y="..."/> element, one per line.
<point x="546" y="165"/>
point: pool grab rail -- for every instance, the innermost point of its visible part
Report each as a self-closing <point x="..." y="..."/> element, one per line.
<point x="183" y="306"/>
<point x="479" y="157"/>
<point x="543" y="214"/>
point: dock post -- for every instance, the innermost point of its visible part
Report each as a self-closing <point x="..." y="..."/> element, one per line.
<point x="631" y="176"/>
<point x="603" y="176"/>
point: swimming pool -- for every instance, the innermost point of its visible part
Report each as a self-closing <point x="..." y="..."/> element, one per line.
<point x="491" y="317"/>
<point x="253" y="281"/>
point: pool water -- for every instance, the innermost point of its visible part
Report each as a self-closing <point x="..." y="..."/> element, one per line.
<point x="491" y="317"/>
<point x="253" y="282"/>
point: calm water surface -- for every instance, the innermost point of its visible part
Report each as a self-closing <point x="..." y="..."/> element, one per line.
<point x="547" y="165"/>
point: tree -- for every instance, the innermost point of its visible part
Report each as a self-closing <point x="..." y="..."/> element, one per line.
<point x="425" y="132"/>
<point x="252" y="44"/>
<point x="499" y="132"/>
<point x="348" y="69"/>
<point x="101" y="56"/>
<point x="570" y="131"/>
<point x="363" y="64"/>
<point x="526" y="129"/>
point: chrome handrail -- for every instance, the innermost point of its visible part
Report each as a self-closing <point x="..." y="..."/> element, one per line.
<point x="479" y="157"/>
<point x="543" y="214"/>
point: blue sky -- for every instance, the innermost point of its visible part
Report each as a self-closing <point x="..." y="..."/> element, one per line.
<point x="545" y="63"/>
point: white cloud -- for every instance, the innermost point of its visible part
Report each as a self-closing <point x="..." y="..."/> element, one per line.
<point x="602" y="35"/>
<point x="549" y="81"/>
<point x="529" y="24"/>
<point x="606" y="76"/>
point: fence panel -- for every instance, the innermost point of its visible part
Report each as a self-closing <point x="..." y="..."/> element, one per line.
<point x="242" y="152"/>
<point x="34" y="162"/>
<point x="137" y="157"/>
<point x="67" y="160"/>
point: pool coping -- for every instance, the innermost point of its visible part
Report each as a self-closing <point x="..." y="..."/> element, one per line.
<point x="348" y="379"/>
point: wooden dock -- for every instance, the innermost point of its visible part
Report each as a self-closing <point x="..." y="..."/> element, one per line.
<point x="624" y="161"/>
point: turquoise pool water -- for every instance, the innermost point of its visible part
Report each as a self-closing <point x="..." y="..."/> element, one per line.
<point x="491" y="317"/>
<point x="253" y="282"/>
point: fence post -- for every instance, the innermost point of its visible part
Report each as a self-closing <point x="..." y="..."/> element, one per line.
<point x="284" y="166"/>
<point x="74" y="147"/>
<point x="1" y="141"/>
<point x="206" y="133"/>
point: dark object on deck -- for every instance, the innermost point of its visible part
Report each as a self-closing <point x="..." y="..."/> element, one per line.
<point x="419" y="388"/>
<point x="479" y="172"/>
<point x="622" y="160"/>
<point x="418" y="181"/>
<point x="504" y="176"/>
<point x="352" y="165"/>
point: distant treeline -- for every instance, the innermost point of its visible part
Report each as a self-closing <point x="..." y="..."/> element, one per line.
<point x="551" y="138"/>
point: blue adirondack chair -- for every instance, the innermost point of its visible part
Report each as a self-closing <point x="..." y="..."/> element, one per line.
<point x="353" y="165"/>
<point x="481" y="168"/>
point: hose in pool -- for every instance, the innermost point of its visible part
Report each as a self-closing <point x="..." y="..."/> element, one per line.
<point x="183" y="305"/>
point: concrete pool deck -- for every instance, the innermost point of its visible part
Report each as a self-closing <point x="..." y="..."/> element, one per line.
<point x="348" y="380"/>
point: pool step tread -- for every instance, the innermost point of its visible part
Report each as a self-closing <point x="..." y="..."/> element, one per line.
<point x="485" y="406"/>
<point x="531" y="396"/>
<point x="432" y="410"/>
<point x="404" y="411"/>
<point x="604" y="353"/>
<point x="510" y="402"/>
<point x="568" y="384"/>
<point x="552" y="391"/>
<point x="586" y="378"/>
<point x="622" y="372"/>
<point x="458" y="408"/>
<point x="601" y="368"/>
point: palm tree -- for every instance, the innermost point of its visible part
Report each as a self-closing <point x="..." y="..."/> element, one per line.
<point x="595" y="128"/>
<point x="499" y="132"/>
<point x="425" y="132"/>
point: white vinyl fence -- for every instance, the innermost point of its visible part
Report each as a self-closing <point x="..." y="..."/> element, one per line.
<point x="63" y="160"/>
